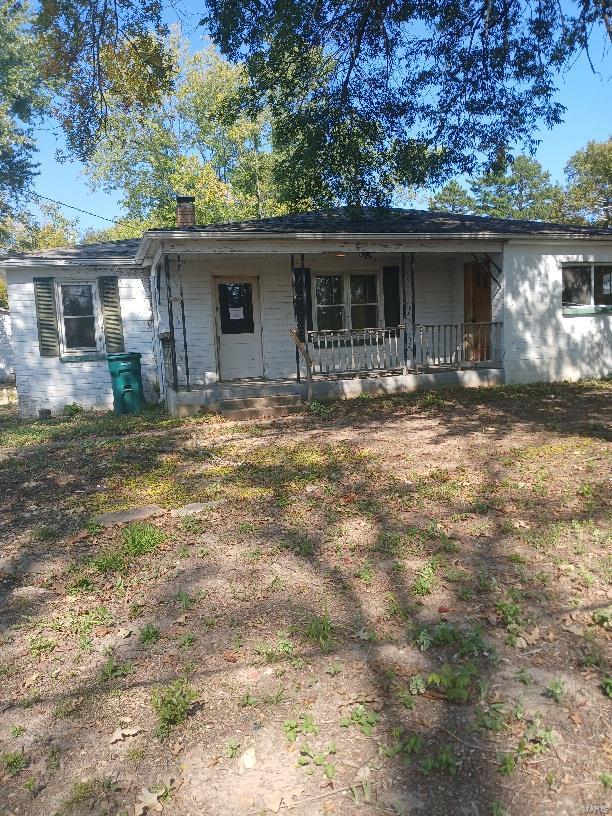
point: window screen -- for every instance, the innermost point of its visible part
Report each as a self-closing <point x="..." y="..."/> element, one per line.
<point x="78" y="316"/>
<point x="364" y="302"/>
<point x="329" y="291"/>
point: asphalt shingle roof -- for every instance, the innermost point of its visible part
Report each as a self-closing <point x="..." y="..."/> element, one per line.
<point x="390" y="221"/>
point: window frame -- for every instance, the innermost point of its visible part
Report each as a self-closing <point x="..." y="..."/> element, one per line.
<point x="346" y="298"/>
<point x="592" y="308"/>
<point x="97" y="316"/>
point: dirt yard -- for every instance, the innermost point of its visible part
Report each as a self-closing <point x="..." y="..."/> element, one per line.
<point x="389" y="606"/>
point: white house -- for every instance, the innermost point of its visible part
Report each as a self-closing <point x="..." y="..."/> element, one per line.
<point x="383" y="300"/>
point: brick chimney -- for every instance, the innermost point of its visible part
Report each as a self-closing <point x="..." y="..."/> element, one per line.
<point x="185" y="211"/>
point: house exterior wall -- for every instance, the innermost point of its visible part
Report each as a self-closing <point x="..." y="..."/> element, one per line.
<point x="7" y="365"/>
<point x="438" y="289"/>
<point x="540" y="343"/>
<point x="48" y="382"/>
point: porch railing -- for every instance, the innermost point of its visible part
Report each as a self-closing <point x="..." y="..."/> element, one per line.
<point x="405" y="348"/>
<point x="356" y="351"/>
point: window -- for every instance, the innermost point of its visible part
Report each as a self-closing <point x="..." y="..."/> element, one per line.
<point x="347" y="301"/>
<point x="586" y="288"/>
<point x="78" y="316"/>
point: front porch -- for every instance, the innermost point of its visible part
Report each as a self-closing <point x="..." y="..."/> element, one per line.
<point x="257" y="335"/>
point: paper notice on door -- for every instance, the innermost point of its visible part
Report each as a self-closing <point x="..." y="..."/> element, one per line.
<point x="236" y="312"/>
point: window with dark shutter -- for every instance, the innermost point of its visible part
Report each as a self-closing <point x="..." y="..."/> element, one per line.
<point x="46" y="317"/>
<point x="111" y="312"/>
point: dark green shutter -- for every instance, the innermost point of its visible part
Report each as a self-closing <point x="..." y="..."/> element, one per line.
<point x="391" y="292"/>
<point x="46" y="317"/>
<point x="111" y="312"/>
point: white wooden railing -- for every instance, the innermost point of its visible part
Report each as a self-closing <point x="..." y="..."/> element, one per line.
<point x="405" y="348"/>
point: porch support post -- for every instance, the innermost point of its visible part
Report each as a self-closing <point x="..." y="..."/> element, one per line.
<point x="296" y="313"/>
<point x="180" y="277"/>
<point x="304" y="304"/>
<point x="171" y="323"/>
<point x="404" y="311"/>
<point x="413" y="315"/>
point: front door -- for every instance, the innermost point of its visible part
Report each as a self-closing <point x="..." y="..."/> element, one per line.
<point x="477" y="303"/>
<point x="238" y="328"/>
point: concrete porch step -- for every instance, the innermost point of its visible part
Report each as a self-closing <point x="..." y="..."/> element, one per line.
<point x="240" y="390"/>
<point x="258" y="407"/>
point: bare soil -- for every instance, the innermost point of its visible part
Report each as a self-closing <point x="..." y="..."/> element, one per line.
<point x="389" y="606"/>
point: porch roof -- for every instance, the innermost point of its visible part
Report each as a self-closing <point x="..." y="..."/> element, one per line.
<point x="341" y="222"/>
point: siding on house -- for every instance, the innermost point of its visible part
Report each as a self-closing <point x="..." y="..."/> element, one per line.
<point x="541" y="344"/>
<point x="438" y="289"/>
<point x="7" y="363"/>
<point x="47" y="382"/>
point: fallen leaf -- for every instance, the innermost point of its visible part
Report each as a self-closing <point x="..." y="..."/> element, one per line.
<point x="575" y="718"/>
<point x="231" y="657"/>
<point x="147" y="801"/>
<point x="442" y="609"/>
<point x="123" y="733"/>
<point x="124" y="633"/>
<point x="29" y="681"/>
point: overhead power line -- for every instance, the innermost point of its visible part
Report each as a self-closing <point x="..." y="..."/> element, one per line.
<point x="72" y="207"/>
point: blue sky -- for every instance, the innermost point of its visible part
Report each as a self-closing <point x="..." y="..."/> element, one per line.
<point x="585" y="94"/>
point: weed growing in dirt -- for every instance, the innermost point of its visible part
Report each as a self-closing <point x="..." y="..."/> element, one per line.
<point x="187" y="640"/>
<point x="17" y="730"/>
<point x="41" y="645"/>
<point x="320" y="631"/>
<point x="192" y="524"/>
<point x="456" y="683"/>
<point x="231" y="749"/>
<point x="309" y="757"/>
<point x="112" y="670"/>
<point x="304" y="724"/>
<point x="425" y="579"/>
<point x="606" y="779"/>
<point x="363" y="718"/>
<point x="445" y="761"/>
<point x="149" y="634"/>
<point x="366" y="573"/>
<point x="82" y="584"/>
<point x="14" y="762"/>
<point x="333" y="669"/>
<point x="172" y="704"/>
<point x="137" y="540"/>
<point x="184" y="600"/>
<point x="556" y="690"/>
<point x="248" y="699"/>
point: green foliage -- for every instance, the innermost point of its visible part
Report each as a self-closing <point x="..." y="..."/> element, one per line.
<point x="445" y="761"/>
<point x="556" y="690"/>
<point x="366" y="573"/>
<point x="17" y="730"/>
<point x="308" y="755"/>
<point x="603" y="617"/>
<point x="137" y="539"/>
<point x="425" y="579"/>
<point x="606" y="686"/>
<point x="41" y="645"/>
<point x="589" y="173"/>
<point x="320" y="631"/>
<point x="363" y="718"/>
<point x="172" y="704"/>
<point x="606" y="779"/>
<point x="14" y="762"/>
<point x="455" y="682"/>
<point x="305" y="724"/>
<point x="112" y="670"/>
<point x="149" y="634"/>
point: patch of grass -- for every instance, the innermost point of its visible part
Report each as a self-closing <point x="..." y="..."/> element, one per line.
<point x="86" y="791"/>
<point x="17" y="730"/>
<point x="44" y="533"/>
<point x="172" y="704"/>
<point x="149" y="634"/>
<point x="184" y="600"/>
<point x="41" y="646"/>
<point x="192" y="524"/>
<point x="248" y="699"/>
<point x="320" y="631"/>
<point x="455" y="682"/>
<point x="137" y="539"/>
<point x="187" y="640"/>
<point x="14" y="762"/>
<point x="81" y="584"/>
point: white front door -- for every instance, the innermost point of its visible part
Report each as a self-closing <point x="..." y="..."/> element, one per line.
<point x="238" y="328"/>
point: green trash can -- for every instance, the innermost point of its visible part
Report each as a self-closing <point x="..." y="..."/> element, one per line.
<point x="126" y="379"/>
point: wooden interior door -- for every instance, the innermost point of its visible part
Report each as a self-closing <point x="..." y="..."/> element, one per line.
<point x="478" y="313"/>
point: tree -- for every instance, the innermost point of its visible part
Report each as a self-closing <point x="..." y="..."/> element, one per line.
<point x="589" y="175"/>
<point x="20" y="99"/>
<point x="366" y="94"/>
<point x="54" y="229"/>
<point x="524" y="191"/>
<point x="454" y="198"/>
<point x="193" y="141"/>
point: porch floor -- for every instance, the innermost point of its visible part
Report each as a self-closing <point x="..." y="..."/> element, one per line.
<point x="269" y="397"/>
